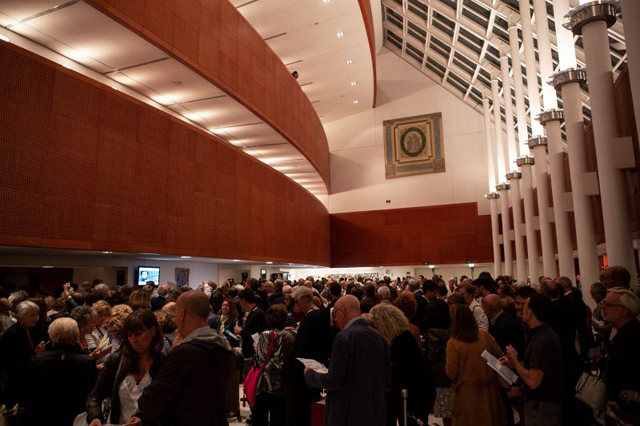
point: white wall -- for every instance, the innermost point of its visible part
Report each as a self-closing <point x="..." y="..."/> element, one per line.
<point x="357" y="157"/>
<point x="87" y="268"/>
<point x="397" y="271"/>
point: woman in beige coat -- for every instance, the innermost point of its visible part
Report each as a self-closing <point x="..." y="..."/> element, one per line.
<point x="475" y="393"/>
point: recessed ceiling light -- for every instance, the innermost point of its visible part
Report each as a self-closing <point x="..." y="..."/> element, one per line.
<point x="326" y="1"/>
<point x="107" y="252"/>
<point x="4" y="38"/>
<point x="236" y="260"/>
<point x="114" y="87"/>
<point x="66" y="66"/>
<point x="292" y="264"/>
<point x="271" y="263"/>
<point x="47" y="267"/>
<point x="340" y="34"/>
<point x="353" y="83"/>
<point x="349" y="61"/>
<point x="355" y="102"/>
<point x="185" y="257"/>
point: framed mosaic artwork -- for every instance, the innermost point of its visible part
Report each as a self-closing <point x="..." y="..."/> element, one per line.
<point x="414" y="145"/>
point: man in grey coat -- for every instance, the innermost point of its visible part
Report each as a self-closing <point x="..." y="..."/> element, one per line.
<point x="359" y="372"/>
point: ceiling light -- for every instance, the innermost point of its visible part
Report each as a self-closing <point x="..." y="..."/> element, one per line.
<point x="236" y="260"/>
<point x="326" y="1"/>
<point x="353" y="82"/>
<point x="47" y="267"/>
<point x="107" y="252"/>
<point x="4" y="38"/>
<point x="349" y="61"/>
<point x="67" y="66"/>
<point x="185" y="257"/>
<point x="355" y="102"/>
<point x="271" y="263"/>
<point x="340" y="34"/>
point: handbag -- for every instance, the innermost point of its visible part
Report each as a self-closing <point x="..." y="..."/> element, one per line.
<point x="591" y="390"/>
<point x="251" y="381"/>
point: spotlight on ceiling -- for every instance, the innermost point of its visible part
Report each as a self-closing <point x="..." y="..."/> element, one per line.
<point x="236" y="260"/>
<point x="107" y="252"/>
<point x="353" y="83"/>
<point x="271" y="263"/>
<point x="349" y="61"/>
<point x="340" y="34"/>
<point x="185" y="257"/>
<point x="355" y="102"/>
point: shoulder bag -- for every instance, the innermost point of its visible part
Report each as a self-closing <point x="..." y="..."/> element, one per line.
<point x="251" y="381"/>
<point x="591" y="390"/>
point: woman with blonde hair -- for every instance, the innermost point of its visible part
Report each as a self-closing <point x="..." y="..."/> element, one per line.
<point x="115" y="323"/>
<point x="140" y="300"/>
<point x="408" y="367"/>
<point x="475" y="390"/>
<point x="98" y="340"/>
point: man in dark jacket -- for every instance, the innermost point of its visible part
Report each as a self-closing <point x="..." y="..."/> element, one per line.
<point x="60" y="379"/>
<point x="253" y="321"/>
<point x="359" y="372"/>
<point x="191" y="385"/>
<point x="161" y="299"/>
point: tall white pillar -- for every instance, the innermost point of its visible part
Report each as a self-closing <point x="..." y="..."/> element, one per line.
<point x="551" y="120"/>
<point x="516" y="204"/>
<point x="583" y="184"/>
<point x="503" y="189"/>
<point x="538" y="145"/>
<point x="631" y="18"/>
<point x="530" y="67"/>
<point x="495" y="234"/>
<point x="501" y="154"/>
<point x="591" y="21"/>
<point x="525" y="163"/>
<point x="492" y="173"/>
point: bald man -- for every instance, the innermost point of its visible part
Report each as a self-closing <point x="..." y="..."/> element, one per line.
<point x="359" y="370"/>
<point x="191" y="385"/>
<point x="502" y="326"/>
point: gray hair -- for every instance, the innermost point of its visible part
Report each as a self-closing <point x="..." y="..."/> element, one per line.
<point x="83" y="314"/>
<point x="599" y="288"/>
<point x="16" y="298"/>
<point x="628" y="299"/>
<point x="302" y="292"/>
<point x="287" y="289"/>
<point x="64" y="330"/>
<point x="384" y="293"/>
<point x="414" y="283"/>
<point x="23" y="308"/>
<point x="102" y="288"/>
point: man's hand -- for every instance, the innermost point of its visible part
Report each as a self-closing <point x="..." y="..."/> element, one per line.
<point x="237" y="329"/>
<point x="40" y="348"/>
<point x="514" y="392"/>
<point x="512" y="354"/>
<point x="505" y="361"/>
<point x="134" y="421"/>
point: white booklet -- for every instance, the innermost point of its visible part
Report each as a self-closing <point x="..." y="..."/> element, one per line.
<point x="314" y="365"/>
<point x="504" y="371"/>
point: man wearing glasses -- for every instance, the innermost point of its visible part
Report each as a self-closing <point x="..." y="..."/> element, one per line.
<point x="359" y="370"/>
<point x="620" y="309"/>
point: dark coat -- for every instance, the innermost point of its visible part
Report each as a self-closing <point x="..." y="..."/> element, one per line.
<point x="190" y="388"/>
<point x="15" y="359"/>
<point x="158" y="302"/>
<point x="59" y="383"/>
<point x="109" y="381"/>
<point x="507" y="331"/>
<point x="359" y="374"/>
<point x="256" y="322"/>
<point x="276" y="297"/>
<point x="216" y="299"/>
<point x="412" y="371"/>
<point x="314" y="340"/>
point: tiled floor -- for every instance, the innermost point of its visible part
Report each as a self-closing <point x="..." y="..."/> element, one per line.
<point x="244" y="411"/>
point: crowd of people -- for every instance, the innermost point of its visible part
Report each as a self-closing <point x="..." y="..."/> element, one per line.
<point x="391" y="350"/>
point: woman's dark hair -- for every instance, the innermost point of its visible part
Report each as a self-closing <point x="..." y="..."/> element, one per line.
<point x="370" y="290"/>
<point x="357" y="292"/>
<point x="233" y="310"/>
<point x="140" y="320"/>
<point x="463" y="324"/>
<point x="507" y="291"/>
<point x="437" y="314"/>
<point x="247" y="295"/>
<point x="277" y="316"/>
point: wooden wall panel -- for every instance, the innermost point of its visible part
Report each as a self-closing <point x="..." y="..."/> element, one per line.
<point x="438" y="234"/>
<point x="367" y="16"/>
<point x="83" y="166"/>
<point x="215" y="40"/>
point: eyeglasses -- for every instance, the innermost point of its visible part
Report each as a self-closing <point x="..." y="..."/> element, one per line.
<point x="335" y="310"/>
<point x="606" y="304"/>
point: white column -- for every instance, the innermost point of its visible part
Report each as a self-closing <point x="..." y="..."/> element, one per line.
<point x="495" y="235"/>
<point x="526" y="164"/>
<point x="492" y="173"/>
<point x="631" y="18"/>
<point x="501" y="154"/>
<point x="538" y="145"/>
<point x="503" y="190"/>
<point x="530" y="62"/>
<point x="551" y="120"/>
<point x="516" y="204"/>
<point x="516" y="66"/>
<point x="568" y="82"/>
<point x="592" y="21"/>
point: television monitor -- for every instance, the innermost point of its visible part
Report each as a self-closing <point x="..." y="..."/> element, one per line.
<point x="148" y="273"/>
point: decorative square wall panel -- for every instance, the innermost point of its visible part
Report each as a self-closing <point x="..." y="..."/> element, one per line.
<point x="413" y="145"/>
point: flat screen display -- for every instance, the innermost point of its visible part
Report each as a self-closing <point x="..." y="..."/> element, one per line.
<point x="148" y="273"/>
